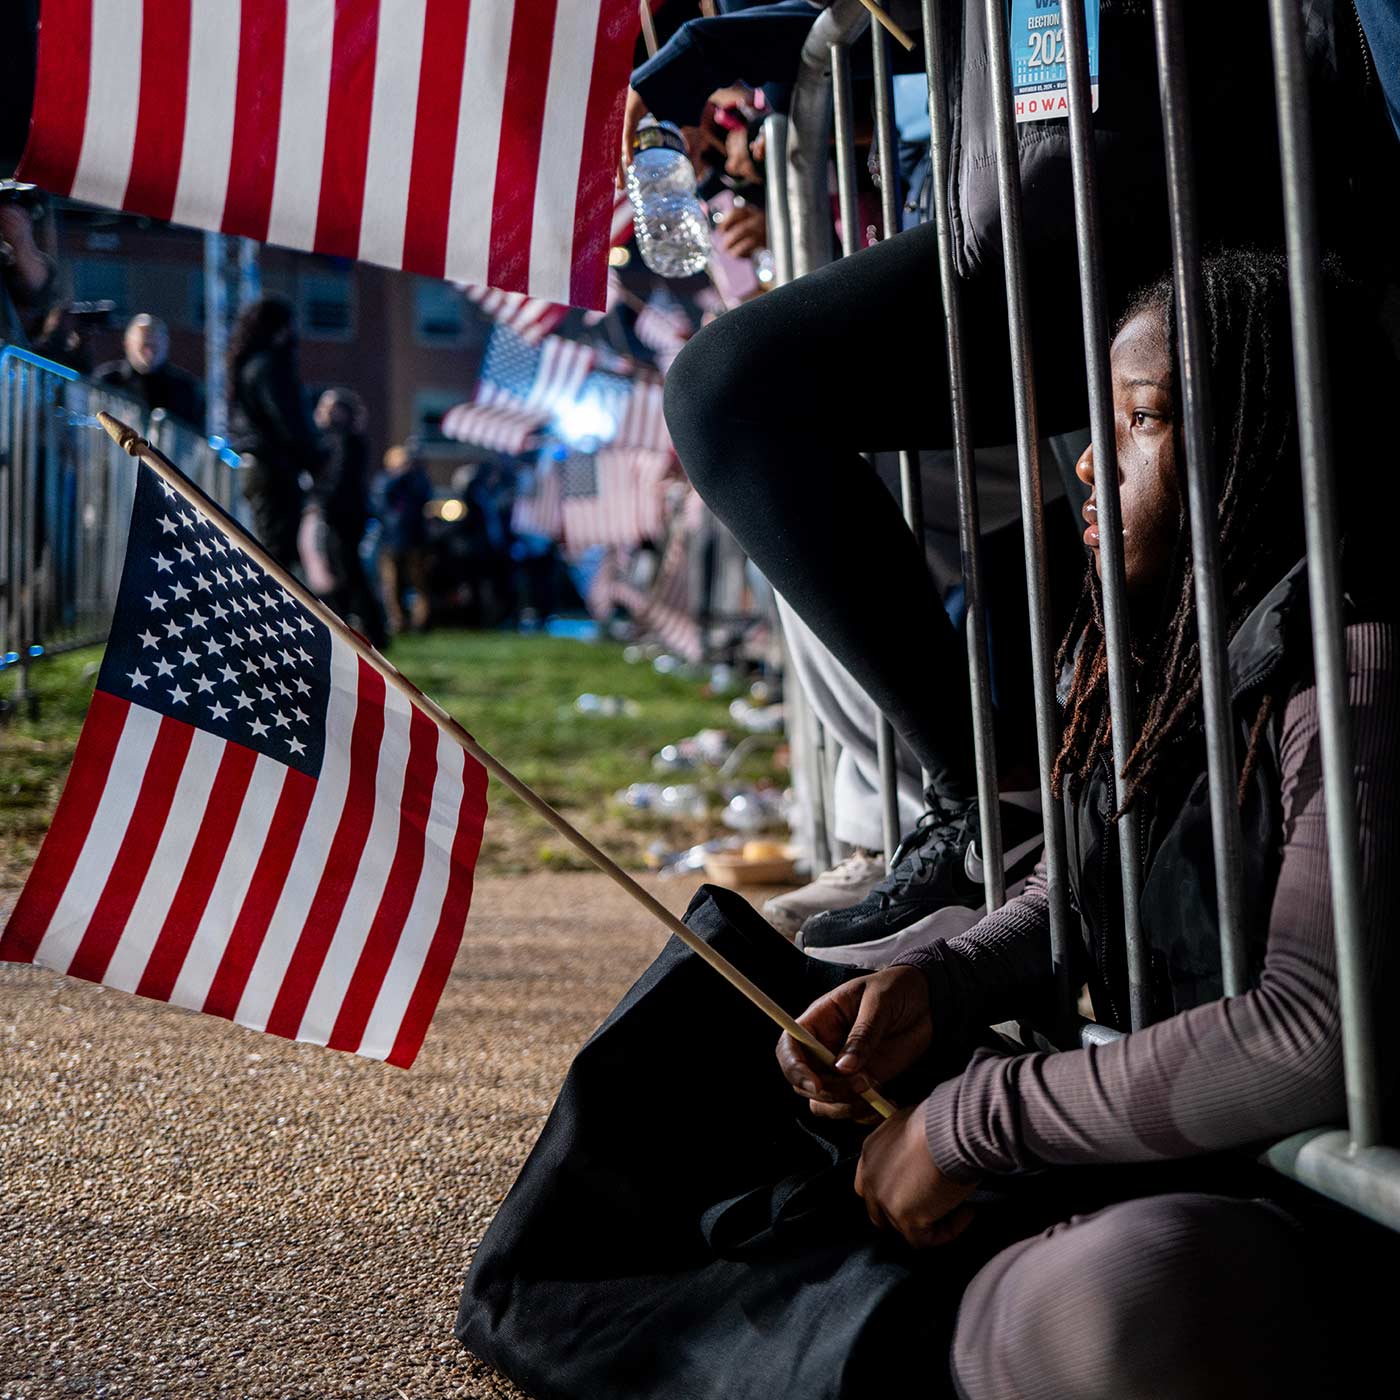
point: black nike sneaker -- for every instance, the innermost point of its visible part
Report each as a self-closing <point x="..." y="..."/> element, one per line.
<point x="936" y="866"/>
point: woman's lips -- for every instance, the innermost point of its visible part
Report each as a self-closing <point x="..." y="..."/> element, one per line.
<point x="1090" y="512"/>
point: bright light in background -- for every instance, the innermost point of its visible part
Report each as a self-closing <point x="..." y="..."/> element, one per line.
<point x="584" y="422"/>
<point x="453" y="510"/>
<point x="619" y="257"/>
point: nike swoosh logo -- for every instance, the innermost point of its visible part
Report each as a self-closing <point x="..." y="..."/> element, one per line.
<point x="974" y="869"/>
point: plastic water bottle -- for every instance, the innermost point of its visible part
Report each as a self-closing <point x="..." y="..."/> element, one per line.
<point x="673" y="233"/>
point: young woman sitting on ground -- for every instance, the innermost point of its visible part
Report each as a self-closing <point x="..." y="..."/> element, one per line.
<point x="1088" y="1223"/>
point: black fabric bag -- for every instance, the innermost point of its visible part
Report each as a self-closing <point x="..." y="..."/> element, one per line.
<point x="685" y="1228"/>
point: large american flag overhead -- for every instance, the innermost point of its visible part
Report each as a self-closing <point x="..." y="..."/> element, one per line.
<point x="472" y="141"/>
<point x="256" y="825"/>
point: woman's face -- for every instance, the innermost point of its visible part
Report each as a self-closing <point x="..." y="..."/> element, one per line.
<point x="1143" y="417"/>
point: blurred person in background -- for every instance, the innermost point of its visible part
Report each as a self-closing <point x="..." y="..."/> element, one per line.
<point x="27" y="273"/>
<point x="340" y="495"/>
<point x="145" y="373"/>
<point x="489" y="497"/>
<point x="269" y="425"/>
<point x="400" y="496"/>
<point x="66" y="335"/>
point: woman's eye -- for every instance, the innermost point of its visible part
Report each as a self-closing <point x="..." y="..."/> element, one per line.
<point x="1140" y="418"/>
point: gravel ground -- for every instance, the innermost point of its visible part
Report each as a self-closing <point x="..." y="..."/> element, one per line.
<point x="191" y="1209"/>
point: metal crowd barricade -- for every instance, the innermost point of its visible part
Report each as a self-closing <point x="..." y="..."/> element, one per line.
<point x="1349" y="1165"/>
<point x="65" y="499"/>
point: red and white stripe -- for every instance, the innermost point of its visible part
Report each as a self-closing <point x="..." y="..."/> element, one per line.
<point x="541" y="513"/>
<point x="627" y="508"/>
<point x="505" y="430"/>
<point x="476" y="142"/>
<point x="193" y="870"/>
<point x="644" y="418"/>
<point x="531" y="318"/>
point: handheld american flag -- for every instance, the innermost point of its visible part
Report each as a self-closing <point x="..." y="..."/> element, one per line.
<point x="255" y="825"/>
<point x="289" y="979"/>
<point x="476" y="142"/>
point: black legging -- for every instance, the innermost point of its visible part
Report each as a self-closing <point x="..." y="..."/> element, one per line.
<point x="770" y="407"/>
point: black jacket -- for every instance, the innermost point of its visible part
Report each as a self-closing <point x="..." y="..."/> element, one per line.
<point x="1177" y="910"/>
<point x="168" y="387"/>
<point x="267" y="414"/>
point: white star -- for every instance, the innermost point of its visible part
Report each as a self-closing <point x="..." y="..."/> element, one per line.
<point x="163" y="667"/>
<point x="268" y="601"/>
<point x="219" y="711"/>
<point x="137" y="678"/>
<point x="282" y="688"/>
<point x="302" y="686"/>
<point x="259" y="728"/>
<point x="251" y="602"/>
<point x="147" y="639"/>
<point x="243" y="701"/>
<point x="163" y="565"/>
<point x="185" y="554"/>
<point x="166" y="487"/>
<point x="296" y="746"/>
<point x="264" y="693"/>
<point x="287" y="629"/>
<point x="203" y="582"/>
<point x="219" y="577"/>
<point x="220" y="611"/>
<point x="288" y="659"/>
<point x="180" y="592"/>
<point x="191" y="520"/>
<point x="304" y="655"/>
<point x="173" y="629"/>
<point x="203" y="548"/>
<point x="305" y="625"/>
<point x="197" y="618"/>
<point x="188" y="657"/>
<point x="280" y="719"/>
<point x="249" y="574"/>
<point x="203" y="684"/>
<point x="156" y="601"/>
<point x="250" y="665"/>
<point x="236" y="605"/>
<point x="214" y="646"/>
<point x="168" y="525"/>
<point x="228" y="673"/>
<point x="300" y="716"/>
<point x="179" y="696"/>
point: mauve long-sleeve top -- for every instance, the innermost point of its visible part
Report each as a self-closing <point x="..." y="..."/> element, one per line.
<point x="1229" y="1073"/>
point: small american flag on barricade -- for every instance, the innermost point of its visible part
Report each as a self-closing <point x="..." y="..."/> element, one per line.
<point x="255" y="825"/>
<point x="521" y="388"/>
<point x="476" y="142"/>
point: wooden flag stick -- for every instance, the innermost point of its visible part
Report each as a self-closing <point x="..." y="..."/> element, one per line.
<point x="901" y="35"/>
<point x="648" y="26"/>
<point x="131" y="442"/>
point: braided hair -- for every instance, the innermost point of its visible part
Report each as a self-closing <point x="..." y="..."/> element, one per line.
<point x="1250" y="371"/>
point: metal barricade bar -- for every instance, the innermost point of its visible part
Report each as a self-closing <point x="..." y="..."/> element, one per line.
<point x="65" y="499"/>
<point x="1324" y="567"/>
<point x="843" y="127"/>
<point x="1047" y="720"/>
<point x="969" y="525"/>
<point x="1202" y="492"/>
<point x="1117" y="644"/>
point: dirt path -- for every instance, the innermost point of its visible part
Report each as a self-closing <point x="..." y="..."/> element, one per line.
<point x="190" y="1209"/>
